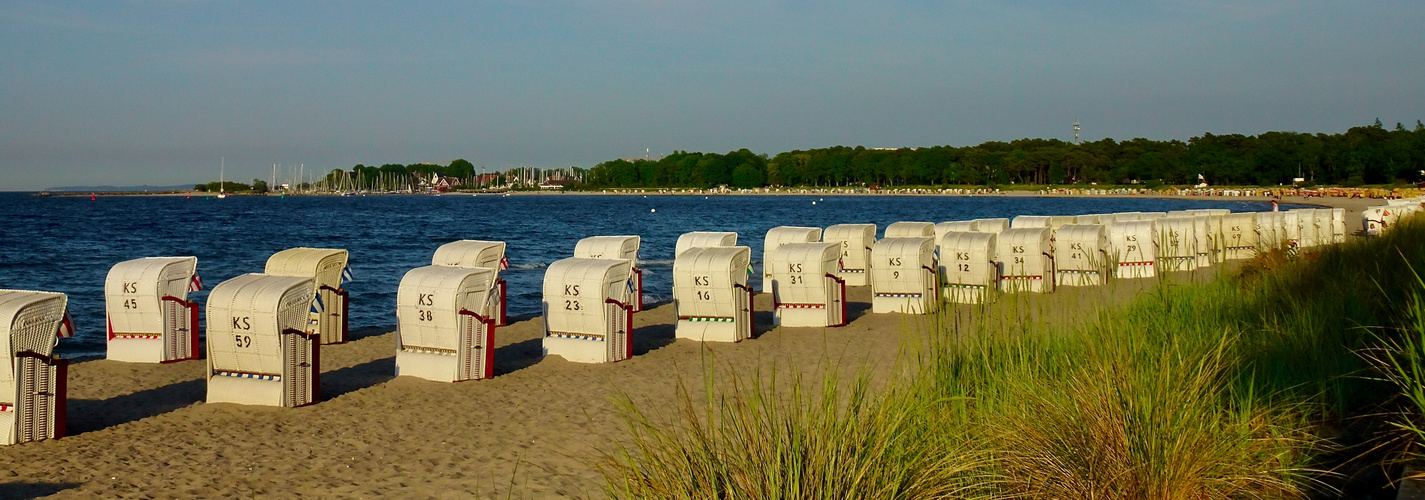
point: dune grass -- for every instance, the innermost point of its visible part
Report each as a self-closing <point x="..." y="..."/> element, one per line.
<point x="1244" y="386"/>
<point x="762" y="439"/>
<point x="1400" y="361"/>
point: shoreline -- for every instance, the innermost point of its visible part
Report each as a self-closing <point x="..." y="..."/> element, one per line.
<point x="1353" y="206"/>
<point x="535" y="429"/>
<point x="997" y="194"/>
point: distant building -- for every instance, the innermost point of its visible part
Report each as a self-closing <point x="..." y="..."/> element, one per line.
<point x="445" y="184"/>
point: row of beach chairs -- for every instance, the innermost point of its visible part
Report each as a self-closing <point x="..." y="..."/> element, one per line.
<point x="265" y="330"/>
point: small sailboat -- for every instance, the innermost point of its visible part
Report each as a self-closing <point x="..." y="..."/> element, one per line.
<point x="222" y="167"/>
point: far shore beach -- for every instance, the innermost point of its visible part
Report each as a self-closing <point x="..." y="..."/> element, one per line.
<point x="1324" y="201"/>
<point x="534" y="430"/>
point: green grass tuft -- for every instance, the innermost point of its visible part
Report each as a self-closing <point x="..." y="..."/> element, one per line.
<point x="1249" y="385"/>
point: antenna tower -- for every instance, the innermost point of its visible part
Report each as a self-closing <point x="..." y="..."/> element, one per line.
<point x="1076" y="132"/>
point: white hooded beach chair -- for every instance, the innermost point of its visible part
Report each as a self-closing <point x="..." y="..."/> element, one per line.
<point x="1135" y="248"/>
<point x="327" y="269"/>
<point x="778" y="236"/>
<point x="904" y="278"/>
<point x="260" y="351"/>
<point x="616" y="247"/>
<point x="1338" y="225"/>
<point x="33" y="379"/>
<point x="1026" y="260"/>
<point x="910" y="230"/>
<point x="1029" y="221"/>
<point x="149" y="316"/>
<point x="443" y="332"/>
<point x="807" y="291"/>
<point x="1240" y="238"/>
<point x="1177" y="244"/>
<point x="1306" y="228"/>
<point x="1082" y="255"/>
<point x="711" y="296"/>
<point x="967" y="266"/>
<point x="479" y="254"/>
<point x="704" y="239"/>
<point x="588" y="314"/>
<point x="963" y="226"/>
<point x="855" y="241"/>
<point x="991" y="225"/>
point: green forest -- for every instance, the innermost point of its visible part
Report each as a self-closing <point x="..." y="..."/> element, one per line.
<point x="1372" y="154"/>
<point x="460" y="169"/>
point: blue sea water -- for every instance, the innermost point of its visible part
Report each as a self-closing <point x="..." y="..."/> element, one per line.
<point x="68" y="244"/>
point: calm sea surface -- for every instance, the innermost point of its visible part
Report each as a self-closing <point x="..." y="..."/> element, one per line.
<point x="68" y="244"/>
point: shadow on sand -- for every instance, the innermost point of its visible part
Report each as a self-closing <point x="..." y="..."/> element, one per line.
<point x="353" y="378"/>
<point x="652" y="337"/>
<point x="33" y="490"/>
<point x="88" y="415"/>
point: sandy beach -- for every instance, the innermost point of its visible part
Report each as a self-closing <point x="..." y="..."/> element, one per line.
<point x="534" y="430"/>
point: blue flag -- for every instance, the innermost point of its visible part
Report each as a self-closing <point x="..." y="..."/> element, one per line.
<point x="346" y="274"/>
<point x="317" y="306"/>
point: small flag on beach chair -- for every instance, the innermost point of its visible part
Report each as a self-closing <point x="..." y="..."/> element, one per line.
<point x="66" y="326"/>
<point x="346" y="274"/>
<point x="195" y="284"/>
<point x="317" y="306"/>
<point x="504" y="263"/>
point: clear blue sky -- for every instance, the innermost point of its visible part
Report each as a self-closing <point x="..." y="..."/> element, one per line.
<point x="155" y="92"/>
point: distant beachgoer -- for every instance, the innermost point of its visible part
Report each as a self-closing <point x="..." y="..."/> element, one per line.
<point x="1274" y="206"/>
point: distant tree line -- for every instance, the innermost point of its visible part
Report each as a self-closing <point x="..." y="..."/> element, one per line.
<point x="363" y="174"/>
<point x="398" y="177"/>
<point x="257" y="186"/>
<point x="1362" y="155"/>
<point x="740" y="168"/>
<point x="462" y="172"/>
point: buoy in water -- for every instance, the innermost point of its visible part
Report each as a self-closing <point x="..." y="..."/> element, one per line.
<point x="651" y="210"/>
<point x="813" y="203"/>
